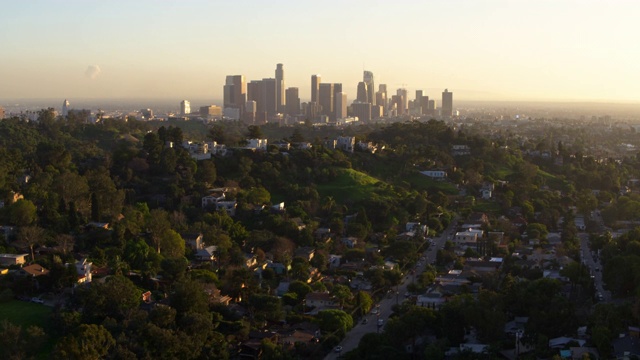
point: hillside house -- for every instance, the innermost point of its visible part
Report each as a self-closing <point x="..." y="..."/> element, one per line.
<point x="320" y="300"/>
<point x="34" y="270"/>
<point x="83" y="268"/>
<point x="257" y="144"/>
<point x="435" y="174"/>
<point x="13" y="259"/>
<point x="193" y="240"/>
<point x="207" y="254"/>
<point x="346" y="143"/>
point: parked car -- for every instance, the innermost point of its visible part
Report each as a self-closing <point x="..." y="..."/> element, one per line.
<point x="380" y="322"/>
<point x="37" y="300"/>
<point x="337" y="349"/>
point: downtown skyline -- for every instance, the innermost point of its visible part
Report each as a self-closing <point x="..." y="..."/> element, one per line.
<point x="482" y="50"/>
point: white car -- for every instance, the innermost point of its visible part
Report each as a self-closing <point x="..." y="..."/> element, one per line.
<point x="380" y="322"/>
<point x="37" y="300"/>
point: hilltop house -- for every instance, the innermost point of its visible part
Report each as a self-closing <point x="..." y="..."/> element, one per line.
<point x="13" y="259"/>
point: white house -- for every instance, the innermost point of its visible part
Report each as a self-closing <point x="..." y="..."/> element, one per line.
<point x="257" y="144"/>
<point x="346" y="143"/>
<point x="486" y="194"/>
<point x="207" y="254"/>
<point x="434" y="174"/>
<point x="466" y="237"/>
<point x="228" y="206"/>
<point x="83" y="268"/>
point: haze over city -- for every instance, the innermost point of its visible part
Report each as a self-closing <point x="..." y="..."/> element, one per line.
<point x="482" y="50"/>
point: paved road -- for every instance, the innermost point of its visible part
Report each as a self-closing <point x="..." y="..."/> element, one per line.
<point x="595" y="268"/>
<point x="352" y="339"/>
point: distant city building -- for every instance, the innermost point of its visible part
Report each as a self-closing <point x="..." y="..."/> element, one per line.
<point x="280" y="89"/>
<point x="341" y="105"/>
<point x="270" y="96"/>
<point x="65" y="108"/>
<point x="185" y="107"/>
<point x="424" y="105"/>
<point x="313" y="110"/>
<point x="249" y="115"/>
<point x="315" y="88"/>
<point x="326" y="99"/>
<point x="367" y="78"/>
<point x="210" y="111"/>
<point x="447" y="104"/>
<point x="147" y="114"/>
<point x="337" y="88"/>
<point x="432" y="107"/>
<point x="362" y="110"/>
<point x="397" y="103"/>
<point x="263" y="92"/>
<point x="292" y="102"/>
<point x="235" y="92"/>
<point x="377" y="111"/>
<point x="363" y="92"/>
<point x="403" y="105"/>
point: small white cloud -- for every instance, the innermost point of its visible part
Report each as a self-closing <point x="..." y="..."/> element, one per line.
<point x="92" y="71"/>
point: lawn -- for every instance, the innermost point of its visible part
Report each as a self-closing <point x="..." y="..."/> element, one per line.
<point x="421" y="182"/>
<point x="352" y="185"/>
<point x="24" y="313"/>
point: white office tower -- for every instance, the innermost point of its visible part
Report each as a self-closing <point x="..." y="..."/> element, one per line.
<point x="65" y="108"/>
<point x="185" y="107"/>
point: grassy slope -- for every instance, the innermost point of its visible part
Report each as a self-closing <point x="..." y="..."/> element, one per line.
<point x="421" y="182"/>
<point x="352" y="185"/>
<point x="25" y="313"/>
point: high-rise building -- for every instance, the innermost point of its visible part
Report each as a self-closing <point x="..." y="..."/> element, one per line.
<point x="146" y="113"/>
<point x="185" y="107"/>
<point x="402" y="107"/>
<point x="65" y="108"/>
<point x="270" y="97"/>
<point x="255" y="94"/>
<point x="249" y="115"/>
<point x="377" y="111"/>
<point x="235" y="92"/>
<point x="432" y="107"/>
<point x="263" y="92"/>
<point x="363" y="92"/>
<point x="210" y="110"/>
<point x="424" y="105"/>
<point x="362" y="110"/>
<point x="337" y="88"/>
<point x="418" y="95"/>
<point x="367" y="78"/>
<point x="341" y="105"/>
<point x="326" y="95"/>
<point x="447" y="104"/>
<point x="383" y="98"/>
<point x="315" y="88"/>
<point x="280" y="95"/>
<point x="292" y="101"/>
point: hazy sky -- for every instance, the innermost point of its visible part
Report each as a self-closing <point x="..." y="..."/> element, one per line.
<point x="486" y="50"/>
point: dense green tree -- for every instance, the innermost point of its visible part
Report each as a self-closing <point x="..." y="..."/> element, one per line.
<point x="337" y="322"/>
<point x="91" y="342"/>
<point x="117" y="297"/>
<point x="22" y="213"/>
<point x="189" y="297"/>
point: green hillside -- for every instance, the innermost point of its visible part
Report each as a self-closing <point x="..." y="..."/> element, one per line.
<point x="352" y="185"/>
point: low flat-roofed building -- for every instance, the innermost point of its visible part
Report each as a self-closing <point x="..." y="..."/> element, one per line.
<point x="13" y="259"/>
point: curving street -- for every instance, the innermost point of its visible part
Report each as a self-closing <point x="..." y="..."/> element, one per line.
<point x="352" y="338"/>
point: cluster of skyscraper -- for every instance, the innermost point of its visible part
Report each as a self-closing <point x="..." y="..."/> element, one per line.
<point x="265" y="100"/>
